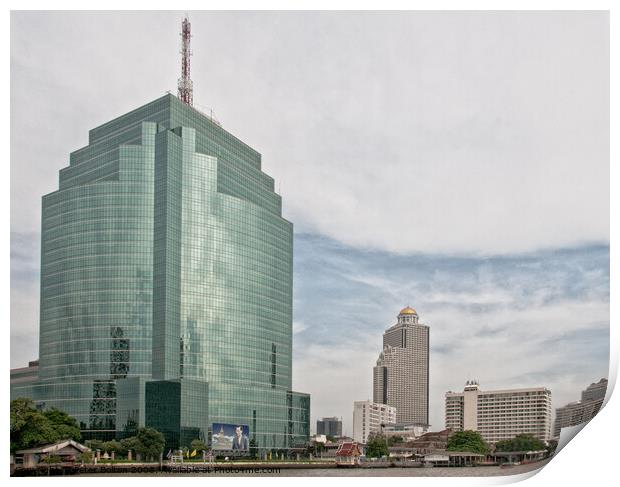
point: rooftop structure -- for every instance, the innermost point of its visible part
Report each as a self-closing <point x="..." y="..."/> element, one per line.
<point x="186" y="86"/>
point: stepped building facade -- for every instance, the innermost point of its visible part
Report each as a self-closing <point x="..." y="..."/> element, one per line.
<point x="166" y="285"/>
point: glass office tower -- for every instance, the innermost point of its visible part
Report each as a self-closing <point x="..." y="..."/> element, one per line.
<point x="166" y="285"/>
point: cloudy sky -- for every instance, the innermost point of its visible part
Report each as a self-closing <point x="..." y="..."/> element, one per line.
<point x="456" y="162"/>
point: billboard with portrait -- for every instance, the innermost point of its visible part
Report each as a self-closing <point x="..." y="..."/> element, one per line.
<point x="230" y="437"/>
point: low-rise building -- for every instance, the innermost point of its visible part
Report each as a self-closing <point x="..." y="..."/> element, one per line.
<point x="408" y="432"/>
<point x="370" y="417"/>
<point x="23" y="379"/>
<point x="67" y="450"/>
<point x="500" y="457"/>
<point x="23" y="375"/>
<point x="438" y="459"/>
<point x="348" y="453"/>
<point x="329" y="450"/>
<point x="433" y="442"/>
<point x="430" y="442"/>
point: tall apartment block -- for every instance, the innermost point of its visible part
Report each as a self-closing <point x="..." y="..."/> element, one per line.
<point x="370" y="417"/>
<point x="166" y="285"/>
<point x="329" y="426"/>
<point x="582" y="411"/>
<point x="400" y="377"/>
<point x="501" y="414"/>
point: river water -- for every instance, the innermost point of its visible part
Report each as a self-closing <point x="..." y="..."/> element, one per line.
<point x="359" y="472"/>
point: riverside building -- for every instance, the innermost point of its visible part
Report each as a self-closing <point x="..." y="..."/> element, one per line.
<point x="579" y="412"/>
<point x="501" y="414"/>
<point x="400" y="377"/>
<point x="370" y="417"/>
<point x="166" y="285"/>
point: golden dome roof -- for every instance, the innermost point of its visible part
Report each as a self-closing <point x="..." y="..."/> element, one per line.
<point x="408" y="311"/>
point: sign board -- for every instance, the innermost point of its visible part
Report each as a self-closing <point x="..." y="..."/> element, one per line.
<point x="230" y="437"/>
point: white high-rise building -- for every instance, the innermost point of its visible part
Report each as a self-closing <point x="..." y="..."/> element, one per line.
<point x="368" y="417"/>
<point x="502" y="414"/>
<point x="400" y="378"/>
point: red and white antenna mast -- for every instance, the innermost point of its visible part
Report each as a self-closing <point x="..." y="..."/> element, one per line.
<point x="186" y="87"/>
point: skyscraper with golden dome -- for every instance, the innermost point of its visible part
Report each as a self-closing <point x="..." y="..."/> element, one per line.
<point x="400" y="378"/>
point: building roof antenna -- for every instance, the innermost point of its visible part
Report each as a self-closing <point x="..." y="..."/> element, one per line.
<point x="185" y="84"/>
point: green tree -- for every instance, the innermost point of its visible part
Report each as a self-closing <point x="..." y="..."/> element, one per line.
<point x="66" y="426"/>
<point x="524" y="442"/>
<point x="467" y="441"/>
<point x="551" y="447"/>
<point x="130" y="443"/>
<point x="21" y="412"/>
<point x="376" y="446"/>
<point x="150" y="442"/>
<point x="393" y="440"/>
<point x="315" y="448"/>
<point x="86" y="457"/>
<point x="113" y="446"/>
<point x="94" y="445"/>
<point x="31" y="427"/>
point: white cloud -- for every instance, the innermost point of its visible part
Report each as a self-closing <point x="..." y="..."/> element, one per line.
<point x="336" y="374"/>
<point x="24" y="324"/>
<point x="534" y="320"/>
<point x="422" y="131"/>
<point x="298" y="327"/>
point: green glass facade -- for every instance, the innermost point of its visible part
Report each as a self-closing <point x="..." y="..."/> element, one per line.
<point x="166" y="266"/>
